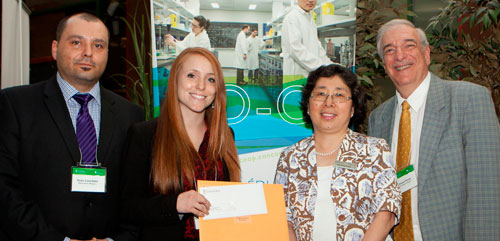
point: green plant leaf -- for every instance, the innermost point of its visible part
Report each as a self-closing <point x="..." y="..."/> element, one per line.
<point x="140" y="89"/>
<point x="366" y="47"/>
<point x="476" y="15"/>
<point x="370" y="36"/>
<point x="494" y="14"/>
<point x="487" y="21"/>
<point x="366" y="80"/>
<point x="432" y="25"/>
<point x="494" y="4"/>
<point x="411" y="13"/>
<point x="464" y="20"/>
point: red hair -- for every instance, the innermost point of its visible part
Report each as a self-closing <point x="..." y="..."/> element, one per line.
<point x="173" y="153"/>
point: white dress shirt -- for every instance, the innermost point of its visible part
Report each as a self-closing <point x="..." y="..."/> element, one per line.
<point x="417" y="102"/>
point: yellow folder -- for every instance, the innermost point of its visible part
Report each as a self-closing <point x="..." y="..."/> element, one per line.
<point x="271" y="226"/>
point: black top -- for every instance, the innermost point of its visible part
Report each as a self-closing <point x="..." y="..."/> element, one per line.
<point x="151" y="215"/>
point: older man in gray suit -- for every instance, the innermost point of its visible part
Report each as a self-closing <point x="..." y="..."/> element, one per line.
<point x="446" y="138"/>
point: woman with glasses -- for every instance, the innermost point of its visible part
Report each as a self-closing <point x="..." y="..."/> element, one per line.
<point x="338" y="184"/>
<point x="197" y="38"/>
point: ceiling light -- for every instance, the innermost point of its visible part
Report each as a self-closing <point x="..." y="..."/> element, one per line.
<point x="215" y="5"/>
<point x="252" y="6"/>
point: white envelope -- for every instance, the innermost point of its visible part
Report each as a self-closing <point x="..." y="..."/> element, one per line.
<point x="235" y="200"/>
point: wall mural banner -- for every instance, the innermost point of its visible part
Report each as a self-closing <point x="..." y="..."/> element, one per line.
<point x="262" y="102"/>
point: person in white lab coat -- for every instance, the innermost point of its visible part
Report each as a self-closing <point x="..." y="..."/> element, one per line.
<point x="301" y="48"/>
<point x="197" y="38"/>
<point x="254" y="45"/>
<point x="241" y="50"/>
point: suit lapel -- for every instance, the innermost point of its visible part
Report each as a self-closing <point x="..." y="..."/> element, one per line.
<point x="432" y="128"/>
<point x="107" y="127"/>
<point x="56" y="105"/>
<point x="388" y="115"/>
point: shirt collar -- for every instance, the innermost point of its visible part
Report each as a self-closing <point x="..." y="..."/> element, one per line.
<point x="68" y="90"/>
<point x="417" y="98"/>
<point x="302" y="10"/>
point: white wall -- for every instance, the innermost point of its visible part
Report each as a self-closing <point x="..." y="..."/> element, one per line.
<point x="227" y="56"/>
<point x="15" y="52"/>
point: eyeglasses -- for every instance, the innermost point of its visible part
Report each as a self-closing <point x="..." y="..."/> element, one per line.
<point x="338" y="97"/>
<point x="194" y="25"/>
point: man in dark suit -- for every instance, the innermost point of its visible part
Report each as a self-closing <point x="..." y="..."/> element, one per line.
<point x="43" y="128"/>
<point x="447" y="144"/>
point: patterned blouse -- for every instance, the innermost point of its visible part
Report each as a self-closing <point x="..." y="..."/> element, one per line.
<point x="358" y="194"/>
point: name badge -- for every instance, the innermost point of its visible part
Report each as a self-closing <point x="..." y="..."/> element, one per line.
<point x="88" y="180"/>
<point x="346" y="165"/>
<point x="407" y="179"/>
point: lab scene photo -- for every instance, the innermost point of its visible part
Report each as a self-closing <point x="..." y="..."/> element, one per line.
<point x="266" y="50"/>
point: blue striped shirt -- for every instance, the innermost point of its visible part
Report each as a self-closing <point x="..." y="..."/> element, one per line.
<point x="94" y="105"/>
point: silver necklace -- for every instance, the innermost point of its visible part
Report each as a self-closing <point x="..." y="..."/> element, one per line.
<point x="329" y="153"/>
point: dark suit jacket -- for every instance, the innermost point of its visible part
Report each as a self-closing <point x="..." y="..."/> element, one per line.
<point x="38" y="147"/>
<point x="153" y="215"/>
<point x="459" y="161"/>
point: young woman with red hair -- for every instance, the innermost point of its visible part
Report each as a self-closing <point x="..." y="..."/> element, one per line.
<point x="189" y="141"/>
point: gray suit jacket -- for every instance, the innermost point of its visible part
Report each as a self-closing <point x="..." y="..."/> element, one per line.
<point x="459" y="161"/>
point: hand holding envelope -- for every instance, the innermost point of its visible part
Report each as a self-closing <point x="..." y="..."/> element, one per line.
<point x="263" y="205"/>
<point x="235" y="200"/>
<point x="193" y="202"/>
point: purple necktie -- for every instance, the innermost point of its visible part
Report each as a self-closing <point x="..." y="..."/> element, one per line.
<point x="85" y="130"/>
